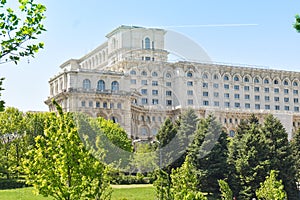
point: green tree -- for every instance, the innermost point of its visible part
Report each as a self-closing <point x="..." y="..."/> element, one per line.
<point x="248" y="159"/>
<point x="12" y="141"/>
<point x="61" y="167"/>
<point x="297" y="23"/>
<point x="209" y="152"/>
<point x="280" y="154"/>
<point x="295" y="145"/>
<point x="19" y="31"/>
<point x="271" y="188"/>
<point x="165" y="138"/>
<point x="188" y="124"/>
<point x="163" y="185"/>
<point x="1" y="101"/>
<point x="184" y="182"/>
<point x="226" y="193"/>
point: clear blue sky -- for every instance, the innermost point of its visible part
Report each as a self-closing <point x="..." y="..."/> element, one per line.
<point x="77" y="26"/>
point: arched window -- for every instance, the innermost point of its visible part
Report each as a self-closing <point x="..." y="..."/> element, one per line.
<point x="266" y="81"/>
<point x="114" y="86"/>
<point x="168" y="75"/>
<point x="86" y="84"/>
<point x="154" y="131"/>
<point x="132" y="72"/>
<point x="276" y="82"/>
<point x="226" y="78"/>
<point x="189" y="74"/>
<point x="216" y="77"/>
<point x="236" y="78"/>
<point x="246" y="79"/>
<point x="114" y="119"/>
<point x="256" y="80"/>
<point x="101" y="85"/>
<point x="231" y="133"/>
<point x="154" y="74"/>
<point x="144" y="131"/>
<point x="285" y="82"/>
<point x="204" y="76"/>
<point x="295" y="83"/>
<point x="144" y="73"/>
<point x="147" y="43"/>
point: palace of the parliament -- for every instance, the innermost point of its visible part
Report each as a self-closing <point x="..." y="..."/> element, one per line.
<point x="129" y="80"/>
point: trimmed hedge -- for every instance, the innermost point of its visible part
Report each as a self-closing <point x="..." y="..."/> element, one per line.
<point x="12" y="183"/>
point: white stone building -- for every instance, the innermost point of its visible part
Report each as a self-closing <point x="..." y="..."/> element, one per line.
<point x="129" y="80"/>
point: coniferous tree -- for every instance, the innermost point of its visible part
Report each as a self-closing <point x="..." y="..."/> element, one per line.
<point x="209" y="153"/>
<point x="295" y="145"/>
<point x="188" y="124"/>
<point x="247" y="159"/>
<point x="280" y="154"/>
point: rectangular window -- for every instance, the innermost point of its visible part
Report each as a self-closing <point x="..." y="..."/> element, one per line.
<point x="286" y="99"/>
<point x="205" y="103"/>
<point x="227" y="104"/>
<point x="133" y="81"/>
<point x="119" y="106"/>
<point x="295" y="91"/>
<point x="112" y="105"/>
<point x="144" y="82"/>
<point x="286" y="91"/>
<point x="205" y="94"/>
<point x="205" y="85"/>
<point x="168" y="84"/>
<point x="296" y="109"/>
<point x="256" y="97"/>
<point x="226" y="95"/>
<point x="190" y="101"/>
<point x="277" y="107"/>
<point x="216" y="85"/>
<point x="90" y="104"/>
<point x="168" y="93"/>
<point x="247" y="96"/>
<point x="190" y="92"/>
<point x="246" y="88"/>
<point x="148" y="58"/>
<point x="286" y="108"/>
<point x="267" y="98"/>
<point x="296" y="100"/>
<point x="216" y="94"/>
<point x="257" y="106"/>
<point x="169" y="102"/>
<point x="267" y="107"/>
<point x="216" y="103"/>
<point x="237" y="96"/>
<point x="226" y="86"/>
<point x="154" y="83"/>
<point x="154" y="101"/>
<point x="247" y="105"/>
<point x="276" y="90"/>
<point x="256" y="89"/>
<point x="189" y="83"/>
<point x="276" y="98"/>
<point x="237" y="105"/>
<point x="154" y="92"/>
<point x="236" y="87"/>
<point x="144" y="91"/>
<point x="267" y="90"/>
<point x="82" y="103"/>
<point x="144" y="101"/>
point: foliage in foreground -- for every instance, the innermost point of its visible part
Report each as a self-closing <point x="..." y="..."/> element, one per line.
<point x="271" y="188"/>
<point x="61" y="167"/>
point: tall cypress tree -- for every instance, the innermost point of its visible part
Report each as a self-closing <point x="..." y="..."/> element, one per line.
<point x="280" y="154"/>
<point x="295" y="145"/>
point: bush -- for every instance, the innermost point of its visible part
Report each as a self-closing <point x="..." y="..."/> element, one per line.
<point x="12" y="184"/>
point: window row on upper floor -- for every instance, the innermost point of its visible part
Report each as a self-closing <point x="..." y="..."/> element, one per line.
<point x="95" y="60"/>
<point x="101" y="85"/>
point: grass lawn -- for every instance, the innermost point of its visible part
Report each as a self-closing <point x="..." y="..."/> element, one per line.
<point x="120" y="192"/>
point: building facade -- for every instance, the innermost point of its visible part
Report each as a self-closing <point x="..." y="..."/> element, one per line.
<point x="129" y="80"/>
